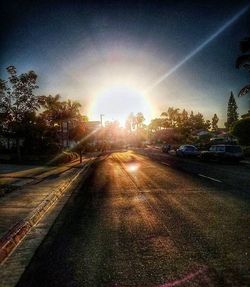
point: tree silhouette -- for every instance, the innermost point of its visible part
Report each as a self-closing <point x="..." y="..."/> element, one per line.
<point x="57" y="112"/>
<point x="156" y="124"/>
<point x="171" y="117"/>
<point x="17" y="100"/>
<point x="232" y="114"/>
<point x="215" y="121"/>
<point x="139" y="119"/>
<point x="241" y="131"/>
<point x="51" y="106"/>
<point x="243" y="61"/>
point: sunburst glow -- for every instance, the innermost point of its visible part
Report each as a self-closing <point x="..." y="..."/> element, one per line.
<point x="118" y="102"/>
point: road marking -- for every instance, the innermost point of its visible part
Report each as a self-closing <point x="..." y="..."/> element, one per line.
<point x="211" y="178"/>
<point x="164" y="163"/>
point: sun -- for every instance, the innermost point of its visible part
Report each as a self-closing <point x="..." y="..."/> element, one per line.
<point x="117" y="103"/>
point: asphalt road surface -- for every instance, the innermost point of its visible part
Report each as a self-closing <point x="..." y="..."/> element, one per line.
<point x="137" y="222"/>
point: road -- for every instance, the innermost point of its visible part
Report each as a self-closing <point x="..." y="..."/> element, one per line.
<point x="234" y="175"/>
<point x="138" y="222"/>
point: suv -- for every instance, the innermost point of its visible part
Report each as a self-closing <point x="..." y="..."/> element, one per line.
<point x="223" y="152"/>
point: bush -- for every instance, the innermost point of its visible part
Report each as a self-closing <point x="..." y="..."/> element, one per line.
<point x="242" y="131"/>
<point x="246" y="151"/>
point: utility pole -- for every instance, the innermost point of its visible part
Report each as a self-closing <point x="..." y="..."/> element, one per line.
<point x="101" y="116"/>
<point x="102" y="134"/>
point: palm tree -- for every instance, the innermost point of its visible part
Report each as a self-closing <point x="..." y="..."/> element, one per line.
<point x="51" y="105"/>
<point x="245" y="90"/>
<point x="165" y="121"/>
<point x="171" y="117"/>
<point x="49" y="102"/>
<point x="56" y="113"/>
<point x="243" y="61"/>
<point x="71" y="110"/>
<point x="156" y="124"/>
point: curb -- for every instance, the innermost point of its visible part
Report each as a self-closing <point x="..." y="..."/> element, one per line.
<point x="245" y="162"/>
<point x="14" y="236"/>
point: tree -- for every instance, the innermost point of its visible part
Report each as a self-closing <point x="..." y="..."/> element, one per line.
<point x="78" y="133"/>
<point x="171" y="117"/>
<point x="130" y="122"/>
<point x="155" y="124"/>
<point x="128" y="125"/>
<point x="232" y="114"/>
<point x="51" y="105"/>
<point x="207" y="125"/>
<point x="177" y="126"/>
<point x="17" y="100"/>
<point x="241" y="131"/>
<point x="57" y="112"/>
<point x="139" y="119"/>
<point x="215" y="121"/>
<point x="183" y="117"/>
<point x="40" y="138"/>
<point x="247" y="115"/>
<point x="196" y="122"/>
<point x="243" y="61"/>
<point x="164" y="122"/>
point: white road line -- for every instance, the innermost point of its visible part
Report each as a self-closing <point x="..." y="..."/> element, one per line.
<point x="211" y="178"/>
<point x="164" y="163"/>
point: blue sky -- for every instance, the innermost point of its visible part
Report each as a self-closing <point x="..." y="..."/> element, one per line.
<point x="81" y="49"/>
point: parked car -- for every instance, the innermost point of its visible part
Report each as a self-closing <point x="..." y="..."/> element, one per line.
<point x="187" y="150"/>
<point x="223" y="153"/>
<point x="166" y="148"/>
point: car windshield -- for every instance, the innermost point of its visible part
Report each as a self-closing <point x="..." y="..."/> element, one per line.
<point x="190" y="148"/>
<point x="220" y="148"/>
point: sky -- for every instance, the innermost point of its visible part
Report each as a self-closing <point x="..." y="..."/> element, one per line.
<point x="117" y="57"/>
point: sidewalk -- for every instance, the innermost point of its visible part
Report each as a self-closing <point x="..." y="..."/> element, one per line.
<point x="13" y="176"/>
<point x="27" y="215"/>
<point x="18" y="204"/>
<point x="19" y="175"/>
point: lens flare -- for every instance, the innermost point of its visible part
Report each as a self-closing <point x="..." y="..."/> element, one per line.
<point x="198" y="49"/>
<point x="132" y="167"/>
